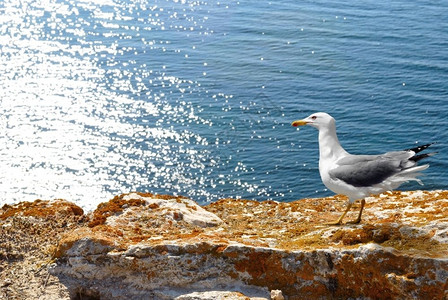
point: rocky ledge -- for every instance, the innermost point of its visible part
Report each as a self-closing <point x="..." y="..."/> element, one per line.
<point x="144" y="246"/>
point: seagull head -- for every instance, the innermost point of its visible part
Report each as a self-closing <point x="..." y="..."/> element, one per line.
<point x="317" y="120"/>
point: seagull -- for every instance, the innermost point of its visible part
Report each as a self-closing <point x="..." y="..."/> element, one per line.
<point x="359" y="176"/>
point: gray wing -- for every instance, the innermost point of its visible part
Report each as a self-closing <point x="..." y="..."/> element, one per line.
<point x="368" y="170"/>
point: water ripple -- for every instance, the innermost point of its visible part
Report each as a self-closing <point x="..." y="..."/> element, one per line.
<point x="195" y="97"/>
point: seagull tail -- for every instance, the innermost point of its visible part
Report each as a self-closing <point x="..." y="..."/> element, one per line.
<point x="413" y="170"/>
<point x="411" y="174"/>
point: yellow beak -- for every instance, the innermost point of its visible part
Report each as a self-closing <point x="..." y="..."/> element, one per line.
<point x="299" y="123"/>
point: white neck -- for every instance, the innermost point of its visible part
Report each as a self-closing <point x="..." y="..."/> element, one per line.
<point x="329" y="146"/>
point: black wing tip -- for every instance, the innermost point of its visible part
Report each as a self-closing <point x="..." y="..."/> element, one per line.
<point x="416" y="158"/>
<point x="420" y="148"/>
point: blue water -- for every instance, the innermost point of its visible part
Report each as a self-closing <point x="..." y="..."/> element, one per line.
<point x="196" y="98"/>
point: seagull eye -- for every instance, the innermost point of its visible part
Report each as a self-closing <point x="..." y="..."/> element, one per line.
<point x="313" y="118"/>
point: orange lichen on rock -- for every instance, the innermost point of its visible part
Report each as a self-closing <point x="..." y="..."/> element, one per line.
<point x="113" y="206"/>
<point x="41" y="209"/>
<point x="118" y="204"/>
<point x="399" y="248"/>
<point x="297" y="225"/>
<point x="89" y="242"/>
<point x="29" y="233"/>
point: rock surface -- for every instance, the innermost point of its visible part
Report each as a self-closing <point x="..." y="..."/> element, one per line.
<point x="29" y="233"/>
<point x="143" y="246"/>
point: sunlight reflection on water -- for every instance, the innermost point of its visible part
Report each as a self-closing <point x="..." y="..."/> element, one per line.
<point x="83" y="119"/>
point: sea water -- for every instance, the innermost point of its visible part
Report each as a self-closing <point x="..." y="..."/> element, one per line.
<point x="195" y="98"/>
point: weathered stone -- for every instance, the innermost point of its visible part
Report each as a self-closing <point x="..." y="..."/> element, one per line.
<point x="154" y="247"/>
<point x="144" y="246"/>
<point x="217" y="295"/>
<point x="175" y="209"/>
<point x="29" y="232"/>
<point x="277" y="295"/>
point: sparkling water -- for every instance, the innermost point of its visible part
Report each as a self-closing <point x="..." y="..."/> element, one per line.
<point x="196" y="98"/>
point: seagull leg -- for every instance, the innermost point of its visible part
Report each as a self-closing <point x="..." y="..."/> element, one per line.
<point x="363" y="202"/>
<point x="339" y="221"/>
